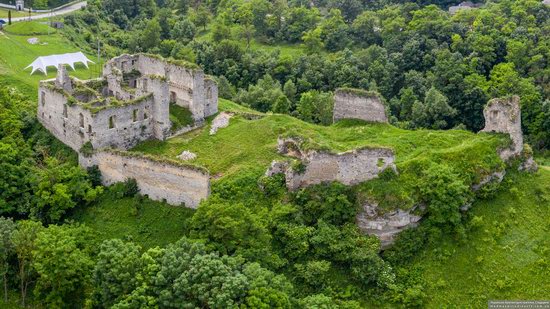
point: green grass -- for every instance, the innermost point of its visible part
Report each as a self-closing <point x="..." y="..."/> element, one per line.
<point x="4" y="14"/>
<point x="506" y="255"/>
<point x="16" y="54"/>
<point x="248" y="144"/>
<point x="180" y="116"/>
<point x="146" y="222"/>
<point x="29" y="28"/>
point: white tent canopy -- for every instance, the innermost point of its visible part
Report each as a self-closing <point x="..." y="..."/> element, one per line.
<point x="41" y="63"/>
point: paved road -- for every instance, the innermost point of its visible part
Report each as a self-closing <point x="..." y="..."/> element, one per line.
<point x="56" y="12"/>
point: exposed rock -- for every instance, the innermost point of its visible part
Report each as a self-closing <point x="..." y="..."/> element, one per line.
<point x="187" y="155"/>
<point x="358" y="104"/>
<point x="385" y="226"/>
<point x="529" y="165"/>
<point x="221" y="121"/>
<point x="276" y="168"/>
<point x="33" y="41"/>
<point x="496" y="176"/>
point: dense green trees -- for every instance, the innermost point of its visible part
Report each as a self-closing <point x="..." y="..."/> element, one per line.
<point x="389" y="46"/>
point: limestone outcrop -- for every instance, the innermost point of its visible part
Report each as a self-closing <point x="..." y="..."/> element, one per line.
<point x="385" y="226"/>
<point x="358" y="104"/>
<point x="221" y="121"/>
<point x="317" y="167"/>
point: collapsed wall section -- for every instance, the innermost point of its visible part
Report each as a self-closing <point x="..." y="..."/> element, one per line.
<point x="161" y="181"/>
<point x="358" y="104"/>
<point x="317" y="167"/>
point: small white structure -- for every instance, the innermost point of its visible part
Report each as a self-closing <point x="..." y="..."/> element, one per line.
<point x="33" y="41"/>
<point x="42" y="63"/>
<point x="20" y="5"/>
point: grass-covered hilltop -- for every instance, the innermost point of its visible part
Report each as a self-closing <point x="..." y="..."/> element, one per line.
<point x="298" y="204"/>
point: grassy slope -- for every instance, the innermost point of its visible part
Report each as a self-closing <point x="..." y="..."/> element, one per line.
<point x="4" y="14"/>
<point x="146" y="222"/>
<point x="251" y="144"/>
<point x="507" y="255"/>
<point x="29" y="28"/>
<point x="16" y="53"/>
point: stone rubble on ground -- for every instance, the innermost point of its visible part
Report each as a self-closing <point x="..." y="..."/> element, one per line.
<point x="221" y="121"/>
<point x="187" y="156"/>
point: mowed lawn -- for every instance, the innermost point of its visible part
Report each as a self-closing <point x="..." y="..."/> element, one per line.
<point x="16" y="54"/>
<point x="4" y="14"/>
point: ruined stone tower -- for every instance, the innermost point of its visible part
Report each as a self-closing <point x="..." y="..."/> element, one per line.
<point x="503" y="115"/>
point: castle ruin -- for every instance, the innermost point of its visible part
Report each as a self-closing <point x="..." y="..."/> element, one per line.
<point x="316" y="167"/>
<point x="503" y="115"/>
<point x="131" y="103"/>
<point x="358" y="104"/>
<point x="128" y="104"/>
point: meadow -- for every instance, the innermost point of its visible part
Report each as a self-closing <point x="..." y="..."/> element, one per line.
<point x="506" y="254"/>
<point x="16" y="54"/>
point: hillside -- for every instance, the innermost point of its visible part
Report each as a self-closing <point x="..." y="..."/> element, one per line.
<point x="16" y="54"/>
<point x="504" y="256"/>
<point x="102" y="205"/>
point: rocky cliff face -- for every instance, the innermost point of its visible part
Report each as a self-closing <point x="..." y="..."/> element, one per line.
<point x="385" y="226"/>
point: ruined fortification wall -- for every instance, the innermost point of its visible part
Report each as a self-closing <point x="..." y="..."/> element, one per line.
<point x="159" y="180"/>
<point x="504" y="116"/>
<point x="211" y="97"/>
<point x="349" y="168"/>
<point x="358" y="104"/>
<point x="69" y="124"/>
<point x="123" y="127"/>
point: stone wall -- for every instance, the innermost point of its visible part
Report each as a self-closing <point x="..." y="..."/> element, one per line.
<point x="188" y="87"/>
<point x="358" y="104"/>
<point x="504" y="116"/>
<point x="69" y="124"/>
<point x="211" y="97"/>
<point x="159" y="180"/>
<point x="123" y="126"/>
<point x="349" y="168"/>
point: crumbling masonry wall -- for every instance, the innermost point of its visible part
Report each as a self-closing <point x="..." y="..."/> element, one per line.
<point x="358" y="104"/>
<point x="188" y="87"/>
<point x="317" y="167"/>
<point x="159" y="180"/>
<point x="503" y="115"/>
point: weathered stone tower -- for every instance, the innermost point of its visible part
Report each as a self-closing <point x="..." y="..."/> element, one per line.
<point x="503" y="115"/>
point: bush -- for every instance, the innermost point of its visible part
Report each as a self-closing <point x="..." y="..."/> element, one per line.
<point x="130" y="188"/>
